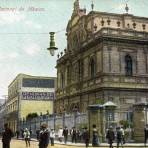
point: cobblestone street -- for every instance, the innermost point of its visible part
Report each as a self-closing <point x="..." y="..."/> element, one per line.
<point x="34" y="144"/>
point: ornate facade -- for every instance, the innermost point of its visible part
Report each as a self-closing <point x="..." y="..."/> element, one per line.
<point x="106" y="60"/>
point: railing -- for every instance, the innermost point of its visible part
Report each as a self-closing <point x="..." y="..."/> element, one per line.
<point x="55" y="122"/>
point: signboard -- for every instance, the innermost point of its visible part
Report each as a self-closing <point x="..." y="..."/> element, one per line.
<point x="38" y="95"/>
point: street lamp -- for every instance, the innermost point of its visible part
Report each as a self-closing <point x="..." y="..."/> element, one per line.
<point x="146" y="106"/>
<point x="52" y="47"/>
<point x="75" y="110"/>
<point x="129" y="113"/>
<point x="109" y="108"/>
<point x="64" y="113"/>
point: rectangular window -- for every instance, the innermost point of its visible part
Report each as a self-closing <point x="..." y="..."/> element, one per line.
<point x="40" y="83"/>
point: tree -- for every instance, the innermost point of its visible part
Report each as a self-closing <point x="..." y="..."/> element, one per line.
<point x="125" y="123"/>
<point x="30" y="116"/>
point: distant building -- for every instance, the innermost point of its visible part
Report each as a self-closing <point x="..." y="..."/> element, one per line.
<point x="29" y="94"/>
<point x="2" y="101"/>
<point x="2" y="114"/>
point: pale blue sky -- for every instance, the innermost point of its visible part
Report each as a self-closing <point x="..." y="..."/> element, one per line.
<point x="26" y="53"/>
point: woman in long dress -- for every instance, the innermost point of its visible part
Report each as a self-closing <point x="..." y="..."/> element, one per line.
<point x="95" y="137"/>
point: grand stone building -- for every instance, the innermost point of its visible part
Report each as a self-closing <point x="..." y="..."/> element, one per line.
<point x="106" y="60"/>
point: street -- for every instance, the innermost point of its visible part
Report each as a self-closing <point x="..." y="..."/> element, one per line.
<point x="34" y="144"/>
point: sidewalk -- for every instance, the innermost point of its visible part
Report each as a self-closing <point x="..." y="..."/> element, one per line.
<point x="139" y="145"/>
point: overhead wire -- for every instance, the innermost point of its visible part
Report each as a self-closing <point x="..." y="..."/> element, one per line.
<point x="45" y="33"/>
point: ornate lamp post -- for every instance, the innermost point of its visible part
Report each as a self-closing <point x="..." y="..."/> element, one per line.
<point x="64" y="112"/>
<point x="109" y="112"/>
<point x="54" y="120"/>
<point x="52" y="47"/>
<point x="129" y="118"/>
<point x="75" y="110"/>
<point x="145" y="108"/>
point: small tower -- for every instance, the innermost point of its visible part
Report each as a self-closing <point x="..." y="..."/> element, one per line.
<point x="92" y="6"/>
<point x="126" y="8"/>
<point x="76" y="7"/>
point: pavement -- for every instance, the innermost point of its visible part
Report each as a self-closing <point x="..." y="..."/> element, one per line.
<point x="139" y="145"/>
<point x="20" y="143"/>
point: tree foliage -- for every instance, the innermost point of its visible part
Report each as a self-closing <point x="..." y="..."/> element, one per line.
<point x="125" y="123"/>
<point x="31" y="116"/>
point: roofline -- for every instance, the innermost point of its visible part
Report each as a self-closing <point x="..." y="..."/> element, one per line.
<point x="22" y="74"/>
<point x="116" y="14"/>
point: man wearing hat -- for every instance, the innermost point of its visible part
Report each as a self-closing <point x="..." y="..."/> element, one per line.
<point x="44" y="136"/>
<point x="6" y="136"/>
<point x="110" y="136"/>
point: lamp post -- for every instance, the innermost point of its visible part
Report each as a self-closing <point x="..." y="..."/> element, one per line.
<point x="146" y="106"/>
<point x="129" y="123"/>
<point x="109" y="109"/>
<point x="23" y="123"/>
<point x="52" y="47"/>
<point x="64" y="112"/>
<point x="75" y="110"/>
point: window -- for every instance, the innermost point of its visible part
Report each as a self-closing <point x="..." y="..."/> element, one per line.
<point x="128" y="65"/>
<point x="62" y="81"/>
<point x="39" y="83"/>
<point x="79" y="69"/>
<point x="92" y="67"/>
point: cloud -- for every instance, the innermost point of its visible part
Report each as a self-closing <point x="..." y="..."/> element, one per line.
<point x="13" y="55"/>
<point x="8" y="56"/>
<point x="11" y="17"/>
<point x="32" y="49"/>
<point x="120" y="7"/>
<point x="33" y="25"/>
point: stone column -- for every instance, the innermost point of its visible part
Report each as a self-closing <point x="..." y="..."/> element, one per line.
<point x="95" y="116"/>
<point x="139" y="122"/>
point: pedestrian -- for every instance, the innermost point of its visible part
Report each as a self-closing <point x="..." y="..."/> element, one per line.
<point x="30" y="132"/>
<point x="44" y="136"/>
<point x="110" y="136"/>
<point x="60" y="134"/>
<point x="37" y="134"/>
<point x="22" y="133"/>
<point x="95" y="136"/>
<point x="123" y="134"/>
<point x="52" y="137"/>
<point x="145" y="134"/>
<point x="7" y="134"/>
<point x="119" y="137"/>
<point x="86" y="137"/>
<point x="78" y="137"/>
<point x="74" y="134"/>
<point x="27" y="137"/>
<point x="17" y="134"/>
<point x="65" y="134"/>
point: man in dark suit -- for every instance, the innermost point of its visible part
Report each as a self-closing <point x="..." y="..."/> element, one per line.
<point x="44" y="136"/>
<point x="6" y="136"/>
<point x="110" y="136"/>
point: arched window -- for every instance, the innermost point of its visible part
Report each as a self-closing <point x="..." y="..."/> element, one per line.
<point x="128" y="65"/>
<point x="62" y="81"/>
<point x="92" y="67"/>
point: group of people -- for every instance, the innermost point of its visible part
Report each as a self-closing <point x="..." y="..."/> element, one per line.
<point x="79" y="135"/>
<point x="44" y="135"/>
<point x="120" y="136"/>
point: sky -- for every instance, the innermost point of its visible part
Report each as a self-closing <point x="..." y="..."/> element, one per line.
<point x="24" y="33"/>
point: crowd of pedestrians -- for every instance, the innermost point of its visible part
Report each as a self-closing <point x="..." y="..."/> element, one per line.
<point x="45" y="135"/>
